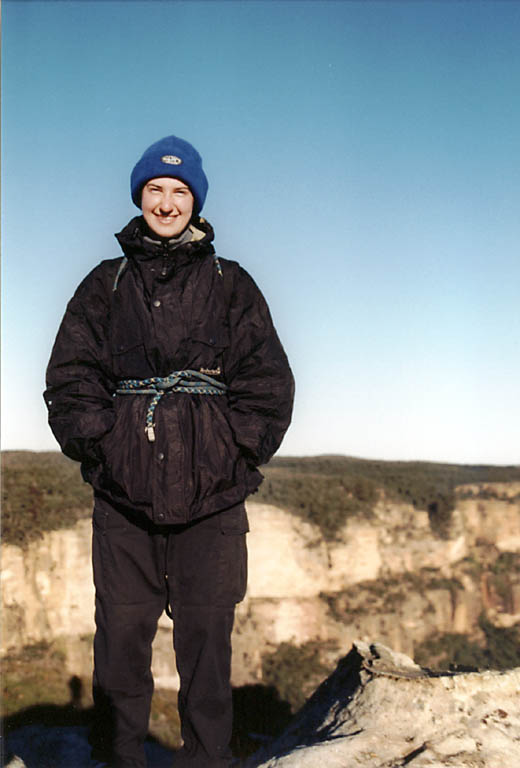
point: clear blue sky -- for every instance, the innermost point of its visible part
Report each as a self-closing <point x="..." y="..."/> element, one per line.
<point x="363" y="160"/>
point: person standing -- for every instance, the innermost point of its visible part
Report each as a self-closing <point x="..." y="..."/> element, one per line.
<point x="168" y="382"/>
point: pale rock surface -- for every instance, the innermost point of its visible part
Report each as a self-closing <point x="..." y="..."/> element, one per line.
<point x="47" y="588"/>
<point x="489" y="519"/>
<point x="380" y="710"/>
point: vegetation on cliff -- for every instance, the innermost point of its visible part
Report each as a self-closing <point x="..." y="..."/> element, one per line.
<point x="326" y="490"/>
<point x="500" y="650"/>
<point x="40" y="492"/>
<point x="45" y="491"/>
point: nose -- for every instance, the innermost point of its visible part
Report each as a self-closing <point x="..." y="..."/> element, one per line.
<point x="167" y="204"/>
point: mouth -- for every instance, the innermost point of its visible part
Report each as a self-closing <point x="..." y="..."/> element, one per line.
<point x="166" y="219"/>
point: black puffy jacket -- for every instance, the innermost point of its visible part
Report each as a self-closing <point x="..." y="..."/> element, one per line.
<point x="160" y="311"/>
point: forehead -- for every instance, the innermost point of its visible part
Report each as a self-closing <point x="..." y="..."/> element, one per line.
<point x="166" y="182"/>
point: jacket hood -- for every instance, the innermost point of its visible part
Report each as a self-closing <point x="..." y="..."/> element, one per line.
<point x="139" y="242"/>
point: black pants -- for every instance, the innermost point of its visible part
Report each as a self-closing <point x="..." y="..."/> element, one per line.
<point x="200" y="570"/>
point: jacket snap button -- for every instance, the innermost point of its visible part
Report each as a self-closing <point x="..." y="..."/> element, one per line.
<point x="160" y="516"/>
<point x="157" y="303"/>
<point x="161" y="457"/>
<point x="212" y="342"/>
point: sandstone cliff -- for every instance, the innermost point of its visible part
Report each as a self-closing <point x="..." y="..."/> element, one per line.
<point x="388" y="579"/>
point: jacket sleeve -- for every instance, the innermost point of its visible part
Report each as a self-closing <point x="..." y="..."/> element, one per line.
<point x="259" y="378"/>
<point x="79" y="390"/>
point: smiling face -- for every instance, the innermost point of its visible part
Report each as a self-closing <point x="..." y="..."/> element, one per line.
<point x="167" y="205"/>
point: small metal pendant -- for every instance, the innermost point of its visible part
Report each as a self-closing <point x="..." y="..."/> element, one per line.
<point x="150" y="433"/>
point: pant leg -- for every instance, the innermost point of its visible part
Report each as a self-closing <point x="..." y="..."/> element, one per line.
<point x="207" y="575"/>
<point x="202" y="639"/>
<point x="128" y="561"/>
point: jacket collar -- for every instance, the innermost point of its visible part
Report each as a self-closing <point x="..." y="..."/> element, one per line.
<point x="138" y="242"/>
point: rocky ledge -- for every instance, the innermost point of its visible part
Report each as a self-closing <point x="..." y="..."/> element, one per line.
<point x="380" y="710"/>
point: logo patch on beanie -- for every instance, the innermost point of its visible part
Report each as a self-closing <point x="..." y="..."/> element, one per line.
<point x="171" y="160"/>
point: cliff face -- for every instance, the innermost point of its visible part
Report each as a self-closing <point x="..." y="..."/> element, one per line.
<point x="388" y="579"/>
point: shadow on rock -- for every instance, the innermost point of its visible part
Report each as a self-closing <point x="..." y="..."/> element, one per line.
<point x="51" y="736"/>
<point x="259" y="716"/>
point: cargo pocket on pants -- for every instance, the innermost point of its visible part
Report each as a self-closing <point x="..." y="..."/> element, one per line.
<point x="233" y="556"/>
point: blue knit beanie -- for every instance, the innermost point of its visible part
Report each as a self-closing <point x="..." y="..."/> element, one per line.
<point x="173" y="157"/>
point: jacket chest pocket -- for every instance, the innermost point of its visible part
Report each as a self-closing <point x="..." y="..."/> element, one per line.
<point x="129" y="360"/>
<point x="209" y="346"/>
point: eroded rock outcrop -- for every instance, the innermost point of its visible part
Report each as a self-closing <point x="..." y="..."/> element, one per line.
<point x="380" y="710"/>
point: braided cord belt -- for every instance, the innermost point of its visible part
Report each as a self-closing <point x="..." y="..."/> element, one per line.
<point x="191" y="382"/>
